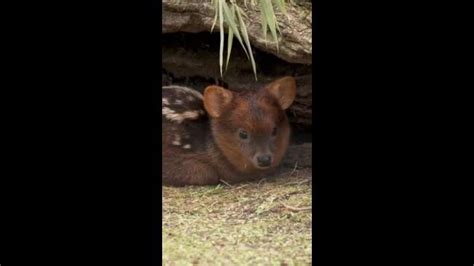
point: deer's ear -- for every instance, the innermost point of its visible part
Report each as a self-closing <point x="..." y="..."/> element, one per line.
<point x="284" y="90"/>
<point x="216" y="99"/>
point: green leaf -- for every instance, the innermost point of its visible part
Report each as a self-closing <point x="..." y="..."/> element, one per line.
<point x="267" y="8"/>
<point x="247" y="42"/>
<point x="230" y="36"/>
<point x="215" y="2"/>
<point x="231" y="23"/>
<point x="221" y="25"/>
<point x="264" y="23"/>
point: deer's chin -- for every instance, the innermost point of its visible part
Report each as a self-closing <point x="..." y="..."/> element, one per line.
<point x="263" y="167"/>
<point x="248" y="168"/>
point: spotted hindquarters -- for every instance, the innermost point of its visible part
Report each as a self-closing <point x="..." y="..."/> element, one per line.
<point x="184" y="121"/>
<point x="180" y="104"/>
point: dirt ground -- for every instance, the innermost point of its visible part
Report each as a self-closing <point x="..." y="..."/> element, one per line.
<point x="266" y="222"/>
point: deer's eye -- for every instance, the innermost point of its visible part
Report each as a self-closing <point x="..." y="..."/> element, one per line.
<point x="243" y="134"/>
<point x="274" y="132"/>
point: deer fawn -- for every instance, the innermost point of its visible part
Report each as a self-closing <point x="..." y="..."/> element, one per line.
<point x="224" y="134"/>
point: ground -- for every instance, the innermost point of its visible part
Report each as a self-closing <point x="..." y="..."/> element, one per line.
<point x="267" y="222"/>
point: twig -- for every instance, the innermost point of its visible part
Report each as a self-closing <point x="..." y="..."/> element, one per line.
<point x="294" y="169"/>
<point x="245" y="185"/>
<point x="214" y="203"/>
<point x="298" y="182"/>
<point x="295" y="208"/>
<point x="229" y="185"/>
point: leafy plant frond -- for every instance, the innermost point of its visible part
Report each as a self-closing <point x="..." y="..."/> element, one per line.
<point x="221" y="26"/>
<point x="231" y="15"/>
<point x="269" y="16"/>
<point x="230" y="39"/>
<point x="215" y="2"/>
<point x="230" y="19"/>
<point x="247" y="42"/>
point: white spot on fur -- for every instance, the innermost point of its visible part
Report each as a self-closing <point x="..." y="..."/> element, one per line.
<point x="178" y="102"/>
<point x="179" y="117"/>
<point x="165" y="101"/>
<point x="177" y="140"/>
<point x="190" y="98"/>
<point x="170" y="114"/>
<point x="166" y="111"/>
<point x="191" y="114"/>
<point x="187" y="146"/>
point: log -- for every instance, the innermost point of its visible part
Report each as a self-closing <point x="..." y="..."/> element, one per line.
<point x="295" y="43"/>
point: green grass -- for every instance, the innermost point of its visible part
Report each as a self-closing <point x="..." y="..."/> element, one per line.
<point x="267" y="222"/>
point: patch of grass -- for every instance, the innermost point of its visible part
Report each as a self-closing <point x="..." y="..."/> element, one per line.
<point x="258" y="223"/>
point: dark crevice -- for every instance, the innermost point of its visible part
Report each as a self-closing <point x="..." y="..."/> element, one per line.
<point x="192" y="59"/>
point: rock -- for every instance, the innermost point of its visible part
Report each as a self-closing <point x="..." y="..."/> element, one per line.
<point x="295" y="44"/>
<point x="300" y="155"/>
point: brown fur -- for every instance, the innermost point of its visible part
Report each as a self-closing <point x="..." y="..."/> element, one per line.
<point x="217" y="150"/>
